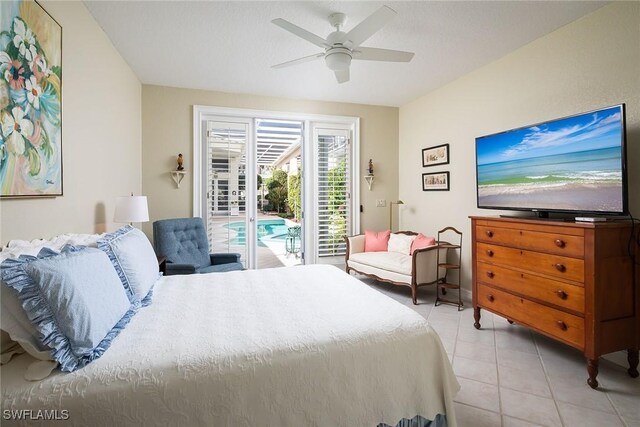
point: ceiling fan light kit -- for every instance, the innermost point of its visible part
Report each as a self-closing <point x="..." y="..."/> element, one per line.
<point x="338" y="58"/>
<point x="340" y="47"/>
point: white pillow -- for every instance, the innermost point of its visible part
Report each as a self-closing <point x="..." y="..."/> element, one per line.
<point x="16" y="247"/>
<point x="400" y="243"/>
<point x="15" y="322"/>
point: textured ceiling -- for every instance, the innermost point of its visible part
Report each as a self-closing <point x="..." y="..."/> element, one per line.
<point x="230" y="46"/>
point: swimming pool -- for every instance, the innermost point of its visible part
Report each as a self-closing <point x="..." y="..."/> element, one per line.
<point x="271" y="229"/>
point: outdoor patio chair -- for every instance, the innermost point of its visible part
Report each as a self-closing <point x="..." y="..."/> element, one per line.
<point x="293" y="234"/>
<point x="184" y="242"/>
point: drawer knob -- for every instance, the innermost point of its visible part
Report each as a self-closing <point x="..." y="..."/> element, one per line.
<point x="489" y="252"/>
<point x="490" y="274"/>
<point x="560" y="243"/>
<point x="561" y="294"/>
<point x="561" y="325"/>
<point x="561" y="268"/>
<point x="489" y="233"/>
<point x="490" y="298"/>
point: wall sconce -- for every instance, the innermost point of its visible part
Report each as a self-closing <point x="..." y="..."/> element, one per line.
<point x="399" y="202"/>
<point x="179" y="173"/>
<point x="369" y="176"/>
<point x="369" y="179"/>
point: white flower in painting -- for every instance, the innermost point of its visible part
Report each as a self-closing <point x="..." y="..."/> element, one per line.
<point x="39" y="67"/>
<point x="24" y="40"/>
<point x="33" y="92"/>
<point x="5" y="60"/>
<point x="15" y="128"/>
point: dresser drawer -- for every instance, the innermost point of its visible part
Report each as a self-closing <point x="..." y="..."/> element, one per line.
<point x="559" y="244"/>
<point x="537" y="262"/>
<point x="556" y="323"/>
<point x="551" y="291"/>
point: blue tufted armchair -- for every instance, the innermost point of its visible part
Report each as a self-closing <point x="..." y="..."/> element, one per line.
<point x="184" y="242"/>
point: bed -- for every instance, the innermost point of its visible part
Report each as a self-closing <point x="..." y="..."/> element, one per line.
<point x="298" y="346"/>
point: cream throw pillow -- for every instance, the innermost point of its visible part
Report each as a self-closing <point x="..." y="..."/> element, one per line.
<point x="400" y="243"/>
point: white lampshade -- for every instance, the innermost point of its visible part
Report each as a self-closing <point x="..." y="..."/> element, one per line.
<point x="131" y="209"/>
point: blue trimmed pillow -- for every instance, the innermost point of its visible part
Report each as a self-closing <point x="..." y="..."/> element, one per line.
<point x="73" y="298"/>
<point x="135" y="261"/>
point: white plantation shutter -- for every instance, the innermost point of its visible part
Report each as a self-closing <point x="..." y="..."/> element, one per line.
<point x="226" y="184"/>
<point x="334" y="202"/>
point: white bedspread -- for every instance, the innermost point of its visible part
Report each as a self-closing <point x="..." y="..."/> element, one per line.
<point x="298" y="346"/>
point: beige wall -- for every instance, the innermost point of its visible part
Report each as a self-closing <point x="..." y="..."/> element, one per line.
<point x="167" y="131"/>
<point x="101" y="136"/>
<point x="588" y="64"/>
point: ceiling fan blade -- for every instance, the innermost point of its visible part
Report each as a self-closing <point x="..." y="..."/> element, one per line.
<point x="375" y="54"/>
<point x="299" y="61"/>
<point x="301" y="32"/>
<point x="342" y="76"/>
<point x="361" y="32"/>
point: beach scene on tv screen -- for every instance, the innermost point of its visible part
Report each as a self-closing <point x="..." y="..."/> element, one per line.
<point x="569" y="164"/>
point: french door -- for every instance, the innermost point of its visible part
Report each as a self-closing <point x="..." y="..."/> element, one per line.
<point x="278" y="188"/>
<point x="333" y="206"/>
<point x="228" y="166"/>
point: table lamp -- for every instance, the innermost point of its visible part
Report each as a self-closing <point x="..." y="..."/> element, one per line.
<point x="131" y="209"/>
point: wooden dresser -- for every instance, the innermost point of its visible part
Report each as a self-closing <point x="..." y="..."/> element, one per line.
<point x="573" y="282"/>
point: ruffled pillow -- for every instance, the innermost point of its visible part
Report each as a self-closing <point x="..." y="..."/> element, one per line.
<point x="73" y="298"/>
<point x="376" y="241"/>
<point x="13" y="318"/>
<point x="17" y="247"/>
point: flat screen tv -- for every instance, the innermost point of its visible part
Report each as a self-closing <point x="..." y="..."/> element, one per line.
<point x="574" y="164"/>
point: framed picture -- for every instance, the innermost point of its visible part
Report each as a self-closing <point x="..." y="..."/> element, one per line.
<point x="30" y="101"/>
<point x="435" y="181"/>
<point x="433" y="156"/>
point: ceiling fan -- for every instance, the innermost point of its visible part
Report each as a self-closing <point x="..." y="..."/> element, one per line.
<point x="340" y="47"/>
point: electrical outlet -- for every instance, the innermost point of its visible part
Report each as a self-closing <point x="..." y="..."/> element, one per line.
<point x="381" y="203"/>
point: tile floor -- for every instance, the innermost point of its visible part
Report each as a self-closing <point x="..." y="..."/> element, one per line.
<point x="510" y="376"/>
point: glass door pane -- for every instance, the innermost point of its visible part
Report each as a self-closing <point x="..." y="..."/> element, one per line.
<point x="227" y="221"/>
<point x="279" y="192"/>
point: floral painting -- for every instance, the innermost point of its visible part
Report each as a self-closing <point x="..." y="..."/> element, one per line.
<point x="30" y="101"/>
